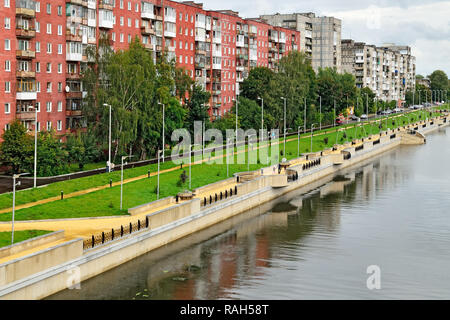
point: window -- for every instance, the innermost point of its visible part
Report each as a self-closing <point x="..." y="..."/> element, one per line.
<point x="49" y="8"/>
<point x="7" y="86"/>
<point x="38" y="107"/>
<point x="129" y="6"/>
<point x="121" y="37"/>
<point x="136" y="24"/>
<point x="59" y="30"/>
<point x="59" y="125"/>
<point x="7" y="4"/>
<point x="49" y="125"/>
<point x="7" y="126"/>
<point x="113" y="36"/>
<point x="59" y="106"/>
<point x="38" y="87"/>
<point x="181" y="44"/>
<point x="7" y="65"/>
<point x="59" y="10"/>
<point x="121" y="21"/>
<point x="129" y="38"/>
<point x="7" y="23"/>
<point x="7" y="44"/>
<point x="181" y="59"/>
<point x="129" y="22"/>
<point x="7" y="108"/>
<point x="59" y="67"/>
<point x="60" y="48"/>
<point x="49" y="87"/>
<point x="38" y="46"/>
<point x="49" y="106"/>
<point x="38" y="6"/>
<point x="38" y="126"/>
<point x="38" y="27"/>
<point x="137" y="7"/>
<point x="49" y="48"/>
<point x="49" y="28"/>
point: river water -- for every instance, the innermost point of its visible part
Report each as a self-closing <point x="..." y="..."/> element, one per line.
<point x="392" y="211"/>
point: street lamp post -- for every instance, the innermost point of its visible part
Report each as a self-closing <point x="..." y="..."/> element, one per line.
<point x="298" y="141"/>
<point x="320" y="113"/>
<point x="121" y="181"/>
<point x="262" y="119"/>
<point x="35" y="145"/>
<point x="15" y="176"/>
<point x="237" y="106"/>
<point x="284" y="152"/>
<point x="248" y="151"/>
<point x="109" y="140"/>
<point x="190" y="163"/>
<point x="228" y="143"/>
<point x="304" y="120"/>
<point x="163" y="129"/>
<point x="159" y="156"/>
<point x="312" y="128"/>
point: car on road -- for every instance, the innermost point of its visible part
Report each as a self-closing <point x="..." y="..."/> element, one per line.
<point x="397" y="110"/>
<point x="364" y="117"/>
<point x="339" y="121"/>
<point x="355" y="118"/>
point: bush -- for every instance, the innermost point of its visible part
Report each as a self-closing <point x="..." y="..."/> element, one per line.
<point x="325" y="140"/>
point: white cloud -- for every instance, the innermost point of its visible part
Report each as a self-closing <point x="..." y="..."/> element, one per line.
<point x="423" y="25"/>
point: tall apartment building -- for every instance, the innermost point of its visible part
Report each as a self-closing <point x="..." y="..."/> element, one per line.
<point x="43" y="50"/>
<point x="388" y="70"/>
<point x="321" y="36"/>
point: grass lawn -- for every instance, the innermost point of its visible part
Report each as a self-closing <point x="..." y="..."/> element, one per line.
<point x="5" y="237"/>
<point x="106" y="202"/>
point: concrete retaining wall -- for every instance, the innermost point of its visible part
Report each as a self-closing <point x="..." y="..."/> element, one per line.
<point x="22" y="267"/>
<point x="151" y="206"/>
<point x="173" y="213"/>
<point x="31" y="243"/>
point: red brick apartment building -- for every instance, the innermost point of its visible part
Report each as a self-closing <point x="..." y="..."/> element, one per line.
<point x="43" y="44"/>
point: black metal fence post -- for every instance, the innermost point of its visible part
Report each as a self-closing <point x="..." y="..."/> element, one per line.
<point x="62" y="195"/>
<point x="93" y="241"/>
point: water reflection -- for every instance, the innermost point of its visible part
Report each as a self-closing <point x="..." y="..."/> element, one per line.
<point x="313" y="243"/>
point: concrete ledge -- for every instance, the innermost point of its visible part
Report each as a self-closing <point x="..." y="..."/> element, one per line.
<point x="31" y="243"/>
<point x="20" y="268"/>
<point x="150" y="206"/>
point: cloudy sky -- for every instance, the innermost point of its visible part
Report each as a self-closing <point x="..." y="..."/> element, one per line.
<point x="422" y="24"/>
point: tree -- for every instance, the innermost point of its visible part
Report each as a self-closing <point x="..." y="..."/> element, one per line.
<point x="52" y="157"/>
<point x="197" y="108"/>
<point x="439" y="80"/>
<point x="81" y="149"/>
<point x="257" y="84"/>
<point x="249" y="114"/>
<point x="17" y="148"/>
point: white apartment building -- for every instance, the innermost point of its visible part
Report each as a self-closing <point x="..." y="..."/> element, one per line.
<point x="389" y="70"/>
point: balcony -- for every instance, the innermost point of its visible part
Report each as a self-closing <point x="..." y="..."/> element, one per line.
<point x="25" y="74"/>
<point x="73" y="37"/>
<point x="199" y="65"/>
<point x="74" y="95"/>
<point x="216" y="92"/>
<point x="149" y="46"/>
<point x="25" y="12"/>
<point x="25" y="54"/>
<point x="25" y="33"/>
<point x="26" y="95"/>
<point x="170" y="34"/>
<point x="83" y="3"/>
<point x="73" y="76"/>
<point x="148" y="15"/>
<point x="106" y="5"/>
<point x="159" y="18"/>
<point x="26" y="115"/>
<point x="74" y="113"/>
<point x="146" y="30"/>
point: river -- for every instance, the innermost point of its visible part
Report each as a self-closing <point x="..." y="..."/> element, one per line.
<point x="315" y="243"/>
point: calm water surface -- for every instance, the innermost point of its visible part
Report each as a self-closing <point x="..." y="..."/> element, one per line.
<point x="392" y="211"/>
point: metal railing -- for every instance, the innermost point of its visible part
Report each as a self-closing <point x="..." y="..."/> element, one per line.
<point x="115" y="233"/>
